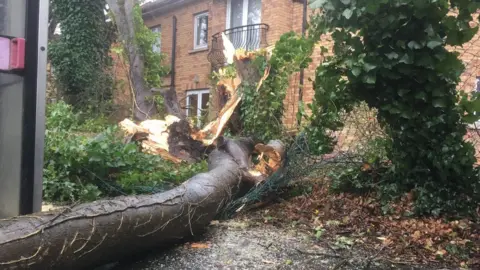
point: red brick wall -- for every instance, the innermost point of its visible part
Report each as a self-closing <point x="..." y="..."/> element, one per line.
<point x="190" y="64"/>
<point x="281" y="15"/>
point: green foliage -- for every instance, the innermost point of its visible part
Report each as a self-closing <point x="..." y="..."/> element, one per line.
<point x="263" y="110"/>
<point x="82" y="167"/>
<point x="392" y="55"/>
<point x="332" y="98"/>
<point x="155" y="69"/>
<point x="227" y="72"/>
<point x="80" y="55"/>
<point x="365" y="175"/>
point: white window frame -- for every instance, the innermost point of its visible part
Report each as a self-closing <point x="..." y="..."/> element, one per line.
<point x="199" y="93"/>
<point x="157" y="29"/>
<point x="229" y="12"/>
<point x="476" y="125"/>
<point x="195" y="33"/>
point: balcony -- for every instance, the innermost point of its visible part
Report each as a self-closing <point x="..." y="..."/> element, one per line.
<point x="249" y="37"/>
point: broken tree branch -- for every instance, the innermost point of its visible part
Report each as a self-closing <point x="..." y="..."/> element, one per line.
<point x="100" y="232"/>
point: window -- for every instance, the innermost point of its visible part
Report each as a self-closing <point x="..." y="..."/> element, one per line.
<point x="201" y="31"/>
<point x="243" y="12"/>
<point x="197" y="102"/>
<point x="157" y="47"/>
<point x="476" y="125"/>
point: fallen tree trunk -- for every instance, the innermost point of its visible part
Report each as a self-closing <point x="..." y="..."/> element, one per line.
<point x="105" y="231"/>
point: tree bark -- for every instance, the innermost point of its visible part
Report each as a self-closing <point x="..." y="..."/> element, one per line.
<point x="123" y="13"/>
<point x="170" y="101"/>
<point x="97" y="233"/>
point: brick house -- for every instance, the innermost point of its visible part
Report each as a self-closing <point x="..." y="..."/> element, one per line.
<point x="197" y="46"/>
<point x="250" y="24"/>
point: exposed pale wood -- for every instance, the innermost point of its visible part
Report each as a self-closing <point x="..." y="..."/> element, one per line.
<point x="271" y="156"/>
<point x="152" y="147"/>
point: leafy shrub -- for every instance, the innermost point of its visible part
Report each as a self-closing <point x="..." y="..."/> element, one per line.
<point x="363" y="176"/>
<point x="393" y="55"/>
<point x="81" y="167"/>
<point x="263" y="110"/>
<point x="60" y="116"/>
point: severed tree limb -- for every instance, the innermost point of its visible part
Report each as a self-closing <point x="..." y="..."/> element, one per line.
<point x="93" y="234"/>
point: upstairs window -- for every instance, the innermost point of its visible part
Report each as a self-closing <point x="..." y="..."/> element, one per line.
<point x="201" y="31"/>
<point x="158" y="45"/>
<point x="243" y="19"/>
<point x="243" y="12"/>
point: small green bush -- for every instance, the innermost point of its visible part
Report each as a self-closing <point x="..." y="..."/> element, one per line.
<point x="79" y="167"/>
<point x="363" y="176"/>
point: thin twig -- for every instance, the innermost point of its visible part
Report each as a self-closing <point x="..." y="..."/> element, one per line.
<point x="265" y="246"/>
<point x="340" y="264"/>
<point x="319" y="254"/>
<point x="373" y="257"/>
<point x="67" y="209"/>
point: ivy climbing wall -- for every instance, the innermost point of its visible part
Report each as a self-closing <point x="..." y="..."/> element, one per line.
<point x="470" y="55"/>
<point x="361" y="124"/>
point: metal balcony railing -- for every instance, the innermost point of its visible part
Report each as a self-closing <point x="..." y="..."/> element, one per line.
<point x="248" y="37"/>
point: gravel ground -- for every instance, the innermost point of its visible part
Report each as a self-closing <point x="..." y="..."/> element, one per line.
<point x="243" y="243"/>
<point x="238" y="245"/>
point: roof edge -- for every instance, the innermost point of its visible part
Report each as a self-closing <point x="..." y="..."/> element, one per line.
<point x="159" y="7"/>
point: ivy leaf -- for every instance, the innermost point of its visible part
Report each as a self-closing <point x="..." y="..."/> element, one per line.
<point x="370" y="79"/>
<point x="406" y="114"/>
<point x="345" y="2"/>
<point x="432" y="44"/>
<point x="372" y="6"/>
<point x="470" y="118"/>
<point x="439" y="103"/>
<point x="356" y="71"/>
<point x="406" y="59"/>
<point x="392" y="55"/>
<point x="437" y="92"/>
<point x="403" y="91"/>
<point x="368" y="66"/>
<point x="414" y="45"/>
<point x="347" y="13"/>
<point x="317" y="4"/>
<point x="421" y="96"/>
<point x="430" y="30"/>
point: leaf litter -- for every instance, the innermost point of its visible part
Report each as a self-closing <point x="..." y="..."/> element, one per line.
<point x="344" y="221"/>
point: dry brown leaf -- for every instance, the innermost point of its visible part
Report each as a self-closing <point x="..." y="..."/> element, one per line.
<point x="199" y="245"/>
<point x="416" y="235"/>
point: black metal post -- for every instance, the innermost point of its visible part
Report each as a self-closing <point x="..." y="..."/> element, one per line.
<point x="174" y="51"/>
<point x="302" y="71"/>
<point x="27" y="173"/>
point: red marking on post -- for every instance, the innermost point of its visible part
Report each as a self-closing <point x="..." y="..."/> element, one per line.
<point x="17" y="53"/>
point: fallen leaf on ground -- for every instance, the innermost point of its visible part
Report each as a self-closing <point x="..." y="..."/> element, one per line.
<point x="199" y="245"/>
